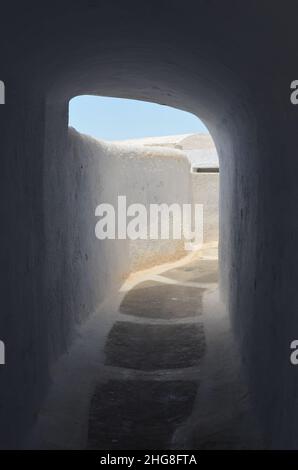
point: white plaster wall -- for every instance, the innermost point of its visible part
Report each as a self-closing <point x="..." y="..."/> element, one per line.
<point x="102" y="172"/>
<point x="205" y="190"/>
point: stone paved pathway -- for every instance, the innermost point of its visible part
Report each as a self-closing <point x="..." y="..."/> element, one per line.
<point x="156" y="368"/>
<point x="143" y="410"/>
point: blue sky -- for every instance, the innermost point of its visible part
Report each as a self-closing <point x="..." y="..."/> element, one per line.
<point x="117" y="118"/>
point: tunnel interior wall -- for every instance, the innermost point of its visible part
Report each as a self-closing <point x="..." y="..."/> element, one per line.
<point x="23" y="320"/>
<point x="258" y="257"/>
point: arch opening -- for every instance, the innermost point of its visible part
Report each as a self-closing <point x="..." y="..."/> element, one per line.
<point x="156" y="312"/>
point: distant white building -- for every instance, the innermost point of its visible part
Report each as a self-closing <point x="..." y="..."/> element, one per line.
<point x="201" y="152"/>
<point x="199" y="148"/>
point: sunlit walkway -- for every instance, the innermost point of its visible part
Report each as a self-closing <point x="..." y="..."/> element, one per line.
<point x="167" y="375"/>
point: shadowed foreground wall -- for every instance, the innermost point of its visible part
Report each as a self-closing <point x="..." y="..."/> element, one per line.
<point x="229" y="62"/>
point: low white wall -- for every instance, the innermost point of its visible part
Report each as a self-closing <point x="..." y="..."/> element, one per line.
<point x="99" y="172"/>
<point x="205" y="190"/>
<point x="83" y="270"/>
<point x="153" y="176"/>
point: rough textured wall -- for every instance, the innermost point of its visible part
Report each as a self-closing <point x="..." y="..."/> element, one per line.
<point x="205" y="190"/>
<point x="87" y="269"/>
